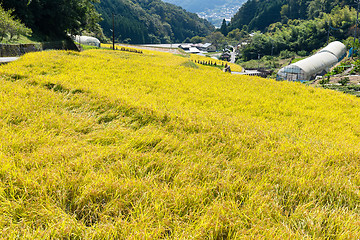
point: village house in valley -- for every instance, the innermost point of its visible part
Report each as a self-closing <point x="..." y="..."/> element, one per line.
<point x="198" y="48"/>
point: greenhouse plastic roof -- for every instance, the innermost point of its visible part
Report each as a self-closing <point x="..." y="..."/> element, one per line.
<point x="86" y="39"/>
<point x="337" y="48"/>
<point x="317" y="63"/>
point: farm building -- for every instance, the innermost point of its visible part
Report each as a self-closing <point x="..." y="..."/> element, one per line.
<point x="185" y="47"/>
<point x="197" y="48"/>
<point x="208" y="47"/>
<point x="318" y="64"/>
<point x="86" y="40"/>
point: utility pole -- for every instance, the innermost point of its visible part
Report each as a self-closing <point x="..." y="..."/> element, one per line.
<point x="356" y="24"/>
<point x="113" y="30"/>
<point x="328" y="37"/>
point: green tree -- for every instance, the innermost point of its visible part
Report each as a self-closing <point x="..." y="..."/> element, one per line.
<point x="224" y="28"/>
<point x="9" y="26"/>
<point x="216" y="38"/>
<point x="285" y="13"/>
<point x="197" y="39"/>
<point x="187" y="40"/>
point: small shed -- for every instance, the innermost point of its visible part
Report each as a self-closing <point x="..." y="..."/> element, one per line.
<point x="86" y="40"/>
<point x="185" y="47"/>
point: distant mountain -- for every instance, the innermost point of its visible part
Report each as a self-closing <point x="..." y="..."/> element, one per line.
<point x="213" y="10"/>
<point x="144" y="21"/>
<point x="198" y="5"/>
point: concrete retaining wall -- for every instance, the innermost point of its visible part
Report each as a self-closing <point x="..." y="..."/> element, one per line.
<point x="14" y="50"/>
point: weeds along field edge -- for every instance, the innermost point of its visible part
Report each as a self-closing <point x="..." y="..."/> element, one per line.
<point x="121" y="145"/>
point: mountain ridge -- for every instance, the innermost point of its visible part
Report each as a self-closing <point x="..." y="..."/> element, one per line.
<point x="142" y="21"/>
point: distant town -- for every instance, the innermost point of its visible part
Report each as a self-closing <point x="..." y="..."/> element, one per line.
<point x="216" y="15"/>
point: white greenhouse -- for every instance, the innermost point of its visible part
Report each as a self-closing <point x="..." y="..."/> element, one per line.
<point x="318" y="64"/>
<point x="86" y="40"/>
<point x="337" y="48"/>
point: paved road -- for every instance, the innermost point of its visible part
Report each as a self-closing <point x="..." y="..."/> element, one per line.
<point x="7" y="59"/>
<point x="175" y="45"/>
<point x="233" y="56"/>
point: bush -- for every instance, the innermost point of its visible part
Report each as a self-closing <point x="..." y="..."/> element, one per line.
<point x="286" y="54"/>
<point x="302" y="53"/>
<point x="344" y="81"/>
<point x="324" y="81"/>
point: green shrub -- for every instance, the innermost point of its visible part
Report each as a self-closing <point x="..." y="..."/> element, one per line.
<point x="302" y="53"/>
<point x="286" y="54"/>
<point x="324" y="81"/>
<point x="344" y="81"/>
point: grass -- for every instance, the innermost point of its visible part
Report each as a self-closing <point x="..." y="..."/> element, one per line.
<point x="349" y="89"/>
<point x="22" y="39"/>
<point x="118" y="145"/>
<point x="295" y="60"/>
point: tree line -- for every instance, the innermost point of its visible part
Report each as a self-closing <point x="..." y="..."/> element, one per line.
<point x="302" y="36"/>
<point x="259" y="14"/>
<point x="55" y="18"/>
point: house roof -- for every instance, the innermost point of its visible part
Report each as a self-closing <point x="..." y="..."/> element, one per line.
<point x="183" y="46"/>
<point x="206" y="45"/>
<point x="194" y="50"/>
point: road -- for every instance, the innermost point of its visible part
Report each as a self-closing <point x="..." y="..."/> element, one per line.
<point x="7" y="59"/>
<point x="233" y="56"/>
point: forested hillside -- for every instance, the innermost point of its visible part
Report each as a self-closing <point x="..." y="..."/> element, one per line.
<point x="143" y="21"/>
<point x="303" y="36"/>
<point x="259" y="14"/>
<point x="53" y="19"/>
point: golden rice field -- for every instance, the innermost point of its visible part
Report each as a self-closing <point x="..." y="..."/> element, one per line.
<point x="116" y="145"/>
<point x="193" y="58"/>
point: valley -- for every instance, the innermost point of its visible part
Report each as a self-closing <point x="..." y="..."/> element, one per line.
<point x="213" y="11"/>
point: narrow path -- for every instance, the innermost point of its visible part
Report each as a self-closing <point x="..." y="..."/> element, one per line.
<point x="4" y="60"/>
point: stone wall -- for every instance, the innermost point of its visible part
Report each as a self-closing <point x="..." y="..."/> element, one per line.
<point x="15" y="50"/>
<point x="7" y="50"/>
